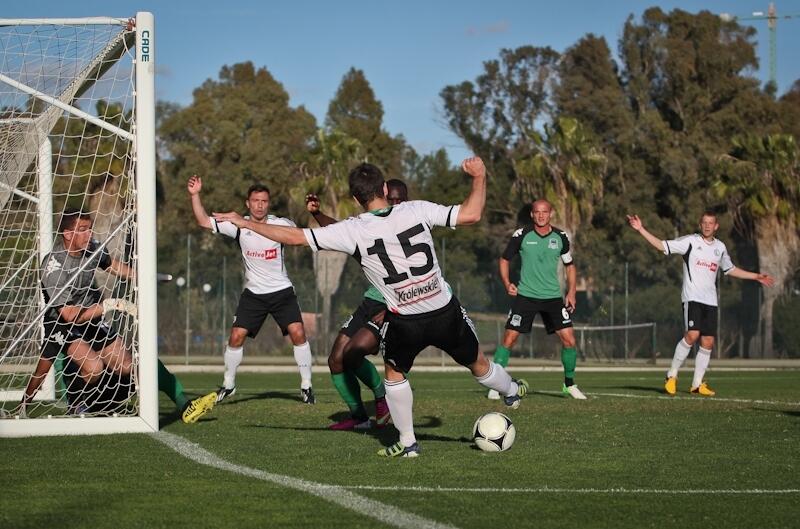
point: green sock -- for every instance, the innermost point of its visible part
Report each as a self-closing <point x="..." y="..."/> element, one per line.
<point x="569" y="357"/>
<point x="368" y="374"/>
<point x="169" y="384"/>
<point x="501" y="355"/>
<point x="347" y="385"/>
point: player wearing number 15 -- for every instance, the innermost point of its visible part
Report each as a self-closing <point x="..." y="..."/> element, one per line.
<point x="394" y="246"/>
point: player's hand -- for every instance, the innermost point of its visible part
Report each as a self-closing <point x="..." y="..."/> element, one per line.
<point x="569" y="302"/>
<point x="312" y="203"/>
<point x="635" y="222"/>
<point x="766" y="280"/>
<point x="232" y="217"/>
<point x="511" y="289"/>
<point x="474" y="167"/>
<point x="194" y="185"/>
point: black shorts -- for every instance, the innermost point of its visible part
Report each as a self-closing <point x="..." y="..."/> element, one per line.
<point x="448" y="328"/>
<point x="523" y="311"/>
<point x="253" y="310"/>
<point x="363" y="314"/>
<point x="700" y="317"/>
<point x="58" y="335"/>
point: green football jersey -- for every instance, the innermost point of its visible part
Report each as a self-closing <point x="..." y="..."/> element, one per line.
<point x="374" y="294"/>
<point x="540" y="255"/>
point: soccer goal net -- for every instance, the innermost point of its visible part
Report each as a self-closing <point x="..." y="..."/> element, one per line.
<point x="600" y="343"/>
<point x="77" y="226"/>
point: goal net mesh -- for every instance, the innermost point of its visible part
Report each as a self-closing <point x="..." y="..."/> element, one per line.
<point x="66" y="142"/>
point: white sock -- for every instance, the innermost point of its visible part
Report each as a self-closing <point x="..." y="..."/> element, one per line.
<point x="303" y="358"/>
<point x="681" y="352"/>
<point x="499" y="380"/>
<point x="233" y="357"/>
<point x="400" y="399"/>
<point x="700" y="365"/>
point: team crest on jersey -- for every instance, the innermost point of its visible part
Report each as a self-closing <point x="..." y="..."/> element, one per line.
<point x="552" y="244"/>
<point x="418" y="291"/>
<point x="716" y="252"/>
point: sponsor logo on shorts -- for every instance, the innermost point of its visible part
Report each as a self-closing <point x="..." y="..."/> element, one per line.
<point x="516" y="320"/>
<point x="691" y="323"/>
<point x="418" y="291"/>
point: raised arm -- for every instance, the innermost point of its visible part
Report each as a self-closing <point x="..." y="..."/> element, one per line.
<point x="472" y="207"/>
<point x="637" y="225"/>
<point x="194" y="186"/>
<point x="312" y="205"/>
<point x="281" y="234"/>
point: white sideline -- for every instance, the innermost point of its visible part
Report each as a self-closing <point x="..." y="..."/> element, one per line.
<point x="695" y="399"/>
<point x="556" y="490"/>
<point x="388" y="514"/>
<point x="341" y="495"/>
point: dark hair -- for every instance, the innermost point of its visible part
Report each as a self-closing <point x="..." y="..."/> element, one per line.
<point x="396" y="183"/>
<point x="366" y="183"/>
<point x="70" y="216"/>
<point x="257" y="188"/>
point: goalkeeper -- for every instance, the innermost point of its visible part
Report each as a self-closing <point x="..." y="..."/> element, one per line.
<point x="74" y="322"/>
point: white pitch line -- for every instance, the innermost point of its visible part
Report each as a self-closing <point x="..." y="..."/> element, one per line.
<point x="388" y="514"/>
<point x="696" y="399"/>
<point x="557" y="490"/>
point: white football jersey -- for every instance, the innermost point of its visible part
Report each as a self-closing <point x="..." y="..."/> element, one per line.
<point x="701" y="260"/>
<point x="264" y="267"/>
<point x="395" y="249"/>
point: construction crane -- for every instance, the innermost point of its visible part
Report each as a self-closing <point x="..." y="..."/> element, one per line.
<point x="771" y="16"/>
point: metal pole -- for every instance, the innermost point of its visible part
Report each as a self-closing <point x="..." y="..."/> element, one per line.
<point x="627" y="320"/>
<point x="719" y="316"/>
<point x="188" y="296"/>
<point x="611" y="315"/>
<point x="224" y="297"/>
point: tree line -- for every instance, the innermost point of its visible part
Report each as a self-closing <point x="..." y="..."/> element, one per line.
<point x="675" y="123"/>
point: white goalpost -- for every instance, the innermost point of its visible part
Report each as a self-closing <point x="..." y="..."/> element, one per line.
<point x="77" y="133"/>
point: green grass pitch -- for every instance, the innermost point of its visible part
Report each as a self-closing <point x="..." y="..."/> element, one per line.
<point x="627" y="457"/>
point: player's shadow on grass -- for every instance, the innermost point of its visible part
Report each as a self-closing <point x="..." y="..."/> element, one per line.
<point x="386" y="436"/>
<point x="790" y="413"/>
<point x="264" y="395"/>
<point x="166" y="418"/>
<point x="649" y="389"/>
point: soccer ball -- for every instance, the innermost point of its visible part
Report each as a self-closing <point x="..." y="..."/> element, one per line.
<point x="494" y="432"/>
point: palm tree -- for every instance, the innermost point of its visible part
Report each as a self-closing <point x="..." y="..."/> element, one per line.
<point x="565" y="167"/>
<point x="324" y="172"/>
<point x="760" y="179"/>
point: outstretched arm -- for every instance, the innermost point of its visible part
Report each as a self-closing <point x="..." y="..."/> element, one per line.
<point x="194" y="186"/>
<point x="472" y="207"/>
<point x="764" y="279"/>
<point x="312" y="205"/>
<point x="637" y="225"/>
<point x="281" y="234"/>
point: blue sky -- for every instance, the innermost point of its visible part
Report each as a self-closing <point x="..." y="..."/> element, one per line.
<point x="408" y="50"/>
